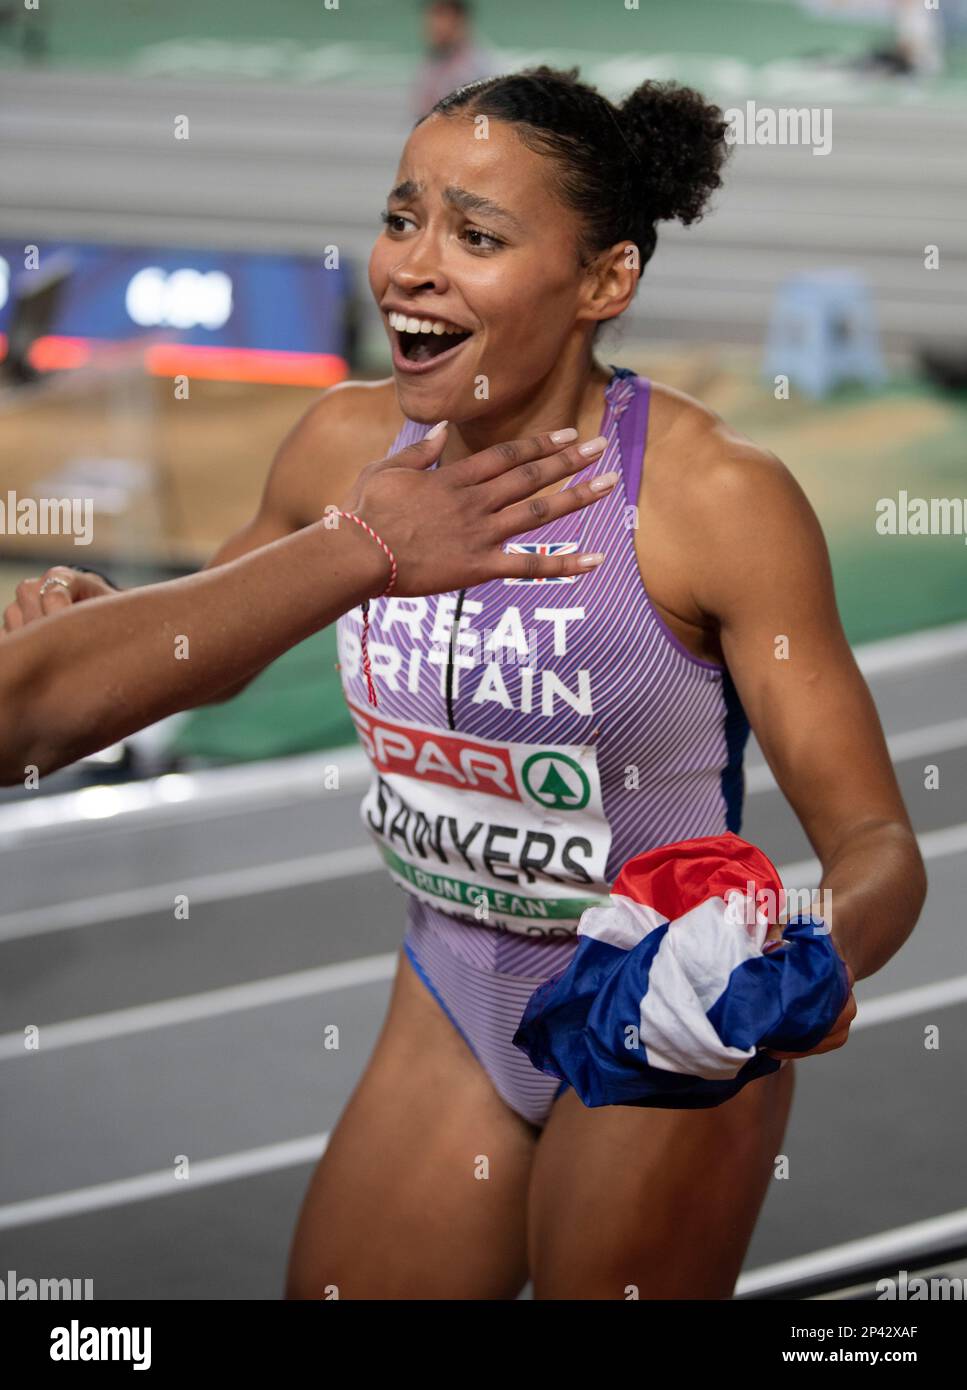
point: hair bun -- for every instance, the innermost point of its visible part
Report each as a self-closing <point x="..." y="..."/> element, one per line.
<point x="679" y="140"/>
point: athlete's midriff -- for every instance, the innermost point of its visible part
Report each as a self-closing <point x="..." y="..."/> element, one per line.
<point x="582" y="731"/>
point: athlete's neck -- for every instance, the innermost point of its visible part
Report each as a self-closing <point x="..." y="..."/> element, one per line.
<point x="559" y="401"/>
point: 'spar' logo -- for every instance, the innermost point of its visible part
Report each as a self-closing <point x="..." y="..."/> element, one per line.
<point x="556" y="781"/>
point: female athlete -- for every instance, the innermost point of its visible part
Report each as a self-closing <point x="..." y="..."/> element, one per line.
<point x="530" y="737"/>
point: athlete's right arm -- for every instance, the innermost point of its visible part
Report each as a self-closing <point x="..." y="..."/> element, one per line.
<point x="286" y="504"/>
<point x="99" y="671"/>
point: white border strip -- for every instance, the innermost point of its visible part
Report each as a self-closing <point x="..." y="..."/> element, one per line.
<point x="911" y="743"/>
<point x="900" y="1243"/>
<point x="315" y="868"/>
<point x="163" y="1183"/>
<point x="924" y="648"/>
<point x="178" y="796"/>
<point x="303" y="984"/>
<point x="212" y="1003"/>
<point x="934" y="844"/>
<point x="380" y="969"/>
<point x="233" y="790"/>
<point x="208" y="888"/>
<point x="907" y="1003"/>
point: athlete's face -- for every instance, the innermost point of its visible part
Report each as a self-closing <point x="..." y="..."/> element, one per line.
<point x="476" y="240"/>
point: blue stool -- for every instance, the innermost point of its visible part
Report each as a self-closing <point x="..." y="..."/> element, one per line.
<point x="823" y="332"/>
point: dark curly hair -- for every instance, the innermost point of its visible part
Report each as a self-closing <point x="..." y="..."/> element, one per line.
<point x="656" y="157"/>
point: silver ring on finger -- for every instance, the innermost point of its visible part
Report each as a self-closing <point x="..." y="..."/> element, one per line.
<point x="51" y="580"/>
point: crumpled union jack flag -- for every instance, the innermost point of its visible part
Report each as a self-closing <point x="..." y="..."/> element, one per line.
<point x="674" y="991"/>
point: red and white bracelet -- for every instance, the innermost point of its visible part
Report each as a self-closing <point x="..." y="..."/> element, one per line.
<point x="367" y="669"/>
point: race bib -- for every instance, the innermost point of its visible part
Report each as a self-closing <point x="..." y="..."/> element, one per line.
<point x="510" y="835"/>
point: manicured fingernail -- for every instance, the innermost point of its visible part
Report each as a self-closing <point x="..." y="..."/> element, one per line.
<point x="592" y="447"/>
<point x="589" y="562"/>
<point x="437" y="429"/>
<point x="563" y="436"/>
<point x="603" y="483"/>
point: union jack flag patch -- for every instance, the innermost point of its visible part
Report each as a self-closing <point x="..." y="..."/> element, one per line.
<point x="542" y="548"/>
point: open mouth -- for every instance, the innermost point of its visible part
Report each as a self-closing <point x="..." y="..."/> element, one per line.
<point x="421" y="340"/>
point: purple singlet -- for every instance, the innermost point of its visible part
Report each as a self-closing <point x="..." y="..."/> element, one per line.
<point x="519" y="765"/>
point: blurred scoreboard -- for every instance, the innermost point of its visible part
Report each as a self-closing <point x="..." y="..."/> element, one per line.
<point x="221" y="315"/>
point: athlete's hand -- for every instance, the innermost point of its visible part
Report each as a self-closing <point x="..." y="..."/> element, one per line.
<point x="447" y="526"/>
<point x="837" y="1035"/>
<point x="30" y="604"/>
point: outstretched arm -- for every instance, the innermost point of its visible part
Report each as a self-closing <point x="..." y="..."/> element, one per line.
<point x="96" y="671"/>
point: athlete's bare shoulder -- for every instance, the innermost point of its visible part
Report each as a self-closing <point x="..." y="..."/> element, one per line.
<point x="698" y="458"/>
<point x="350" y="425"/>
<point x="364" y="408"/>
<point x="707" y="491"/>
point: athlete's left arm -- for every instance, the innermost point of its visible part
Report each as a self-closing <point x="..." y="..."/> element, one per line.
<point x="764" y="578"/>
